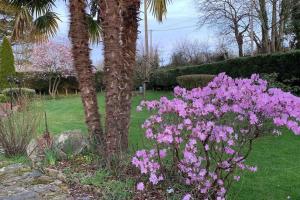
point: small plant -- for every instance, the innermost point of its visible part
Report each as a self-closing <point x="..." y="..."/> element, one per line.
<point x="51" y="157"/>
<point x="18" y="127"/>
<point x="110" y="188"/>
<point x="202" y="138"/>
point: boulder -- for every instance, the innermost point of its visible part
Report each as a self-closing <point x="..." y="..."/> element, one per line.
<point x="70" y="143"/>
<point x="36" y="150"/>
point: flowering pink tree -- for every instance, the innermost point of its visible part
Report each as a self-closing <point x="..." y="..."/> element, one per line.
<point x="202" y="137"/>
<point x="55" y="59"/>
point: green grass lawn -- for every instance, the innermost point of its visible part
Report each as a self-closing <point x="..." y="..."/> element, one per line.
<point x="277" y="158"/>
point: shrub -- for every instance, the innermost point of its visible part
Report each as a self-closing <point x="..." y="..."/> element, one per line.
<point x="273" y="82"/>
<point x="3" y="98"/>
<point x="285" y="64"/>
<point x="202" y="138"/>
<point x="194" y="80"/>
<point x="18" y="127"/>
<point x="7" y="67"/>
<point x="17" y="92"/>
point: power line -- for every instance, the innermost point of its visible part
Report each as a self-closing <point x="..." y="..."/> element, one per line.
<point x="171" y="29"/>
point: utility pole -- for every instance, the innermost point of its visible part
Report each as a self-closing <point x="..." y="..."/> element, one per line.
<point x="151" y="43"/>
<point x="146" y="47"/>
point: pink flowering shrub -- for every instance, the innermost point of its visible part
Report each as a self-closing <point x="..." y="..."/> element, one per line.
<point x="202" y="137"/>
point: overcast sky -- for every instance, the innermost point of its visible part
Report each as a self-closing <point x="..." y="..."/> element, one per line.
<point x="180" y="24"/>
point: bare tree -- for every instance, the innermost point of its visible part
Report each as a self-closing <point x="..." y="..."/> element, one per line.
<point x="194" y="52"/>
<point x="232" y="16"/>
<point x="145" y="66"/>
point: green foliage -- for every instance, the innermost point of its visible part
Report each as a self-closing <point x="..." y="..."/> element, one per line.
<point x="3" y="98"/>
<point x="273" y="82"/>
<point x="17" y="92"/>
<point x="110" y="188"/>
<point x="51" y="157"/>
<point x="194" y="80"/>
<point x="39" y="82"/>
<point x="285" y="64"/>
<point x="7" y="67"/>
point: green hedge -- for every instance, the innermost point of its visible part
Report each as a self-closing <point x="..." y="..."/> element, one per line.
<point x="16" y="92"/>
<point x="287" y="65"/>
<point x="194" y="80"/>
<point x="39" y="82"/>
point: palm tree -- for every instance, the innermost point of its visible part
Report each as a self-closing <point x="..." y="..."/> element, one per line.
<point x="119" y="56"/>
<point x="113" y="58"/>
<point x="119" y="19"/>
<point x="129" y="33"/>
<point x="33" y="20"/>
<point x="83" y="66"/>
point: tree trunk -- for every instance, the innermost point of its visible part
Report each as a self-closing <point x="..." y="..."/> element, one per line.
<point x="129" y="32"/>
<point x="283" y="16"/>
<point x="263" y="15"/>
<point x="296" y="22"/>
<point x="83" y="66"/>
<point x="274" y="26"/>
<point x="240" y="42"/>
<point x="114" y="83"/>
<point x="239" y="39"/>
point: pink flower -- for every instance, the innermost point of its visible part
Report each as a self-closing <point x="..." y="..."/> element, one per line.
<point x="229" y="151"/>
<point x="252" y="169"/>
<point x="140" y="186"/>
<point x="198" y="119"/>
<point x="237" y="178"/>
<point x="187" y="197"/>
<point x="139" y="108"/>
<point x="253" y="118"/>
<point x="162" y="153"/>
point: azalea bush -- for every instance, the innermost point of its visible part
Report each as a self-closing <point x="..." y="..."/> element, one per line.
<point x="202" y="138"/>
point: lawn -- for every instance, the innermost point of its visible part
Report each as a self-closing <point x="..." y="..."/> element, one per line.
<point x="277" y="158"/>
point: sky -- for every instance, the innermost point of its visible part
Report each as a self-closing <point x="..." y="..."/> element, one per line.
<point x="180" y="24"/>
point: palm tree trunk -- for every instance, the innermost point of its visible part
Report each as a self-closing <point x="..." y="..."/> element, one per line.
<point x="114" y="81"/>
<point x="130" y="11"/>
<point x="83" y="66"/>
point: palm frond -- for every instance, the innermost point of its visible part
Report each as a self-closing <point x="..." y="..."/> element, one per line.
<point x="36" y="7"/>
<point x="23" y="22"/>
<point x="158" y="8"/>
<point x="45" y="26"/>
<point x="94" y="29"/>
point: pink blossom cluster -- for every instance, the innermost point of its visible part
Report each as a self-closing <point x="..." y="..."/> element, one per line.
<point x="52" y="57"/>
<point x="208" y="133"/>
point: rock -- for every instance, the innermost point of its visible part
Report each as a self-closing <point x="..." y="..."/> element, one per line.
<point x="70" y="143"/>
<point x="36" y="149"/>
<point x="17" y="183"/>
<point x="51" y="172"/>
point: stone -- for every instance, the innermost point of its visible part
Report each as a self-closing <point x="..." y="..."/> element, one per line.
<point x="70" y="143"/>
<point x="31" y="185"/>
<point x="36" y="149"/>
